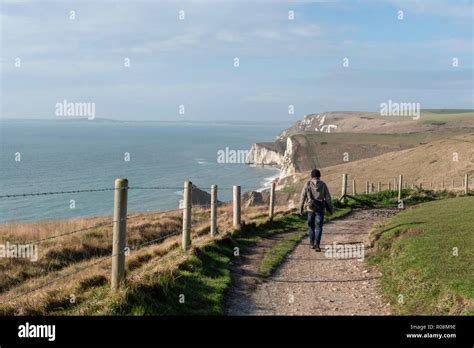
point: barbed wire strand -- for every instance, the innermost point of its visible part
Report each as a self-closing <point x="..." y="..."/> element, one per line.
<point x="384" y="183"/>
<point x="103" y="224"/>
<point x="57" y="192"/>
<point x="91" y="190"/>
<point x="155" y="188"/>
<point x="35" y="194"/>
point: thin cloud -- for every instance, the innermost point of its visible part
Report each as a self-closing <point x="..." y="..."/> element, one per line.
<point x="459" y="9"/>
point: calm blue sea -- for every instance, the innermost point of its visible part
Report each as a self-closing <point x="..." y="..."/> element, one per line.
<point x="76" y="155"/>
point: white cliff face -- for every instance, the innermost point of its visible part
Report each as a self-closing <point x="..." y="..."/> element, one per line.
<point x="287" y="166"/>
<point x="322" y="123"/>
<point x="259" y="154"/>
<point x="317" y="124"/>
<point x="322" y="126"/>
<point x="286" y="160"/>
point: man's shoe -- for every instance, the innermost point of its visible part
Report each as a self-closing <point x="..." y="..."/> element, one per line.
<point x="311" y="245"/>
<point x="317" y="248"/>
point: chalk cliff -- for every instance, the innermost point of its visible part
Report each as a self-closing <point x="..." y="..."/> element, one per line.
<point x="266" y="154"/>
<point x="332" y="138"/>
<point x="280" y="154"/>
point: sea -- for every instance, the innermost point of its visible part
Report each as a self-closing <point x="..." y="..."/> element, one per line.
<point x="47" y="156"/>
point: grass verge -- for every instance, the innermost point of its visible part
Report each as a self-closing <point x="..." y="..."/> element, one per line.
<point x="274" y="256"/>
<point x="425" y="254"/>
<point x="386" y="199"/>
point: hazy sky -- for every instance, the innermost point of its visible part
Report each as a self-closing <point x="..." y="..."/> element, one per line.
<point x="190" y="62"/>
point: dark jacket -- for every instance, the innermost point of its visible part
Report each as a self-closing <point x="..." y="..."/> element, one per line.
<point x="319" y="191"/>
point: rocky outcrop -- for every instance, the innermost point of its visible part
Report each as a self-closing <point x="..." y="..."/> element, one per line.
<point x="252" y="198"/>
<point x="322" y="123"/>
<point x="266" y="154"/>
<point x="280" y="154"/>
<point x="284" y="151"/>
<point x="288" y="167"/>
<point x="200" y="197"/>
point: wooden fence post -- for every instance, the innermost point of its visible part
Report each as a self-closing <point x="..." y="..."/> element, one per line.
<point x="187" y="211"/>
<point x="119" y="232"/>
<point x="379" y="187"/>
<point x="354" y="188"/>
<point x="213" y="210"/>
<point x="236" y="207"/>
<point x="453" y="183"/>
<point x="466" y="183"/>
<point x="271" y="208"/>
<point x="389" y="186"/>
<point x="400" y="186"/>
<point x="344" y="186"/>
<point x="366" y="187"/>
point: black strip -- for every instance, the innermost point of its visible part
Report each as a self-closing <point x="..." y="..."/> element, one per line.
<point x="343" y="330"/>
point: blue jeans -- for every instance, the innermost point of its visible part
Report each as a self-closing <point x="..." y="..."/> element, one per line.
<point x="315" y="226"/>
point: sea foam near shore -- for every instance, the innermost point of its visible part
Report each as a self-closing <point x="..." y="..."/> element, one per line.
<point x="268" y="181"/>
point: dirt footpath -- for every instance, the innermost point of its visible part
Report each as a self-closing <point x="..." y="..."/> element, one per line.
<point x="312" y="283"/>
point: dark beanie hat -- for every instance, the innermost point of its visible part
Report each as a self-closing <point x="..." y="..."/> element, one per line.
<point x="315" y="173"/>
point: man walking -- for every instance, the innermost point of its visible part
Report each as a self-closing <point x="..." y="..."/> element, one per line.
<point x="316" y="193"/>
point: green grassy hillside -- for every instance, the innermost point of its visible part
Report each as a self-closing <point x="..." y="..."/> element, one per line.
<point x="426" y="255"/>
<point x="431" y="114"/>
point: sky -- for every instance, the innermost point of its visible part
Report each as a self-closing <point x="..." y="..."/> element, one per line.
<point x="331" y="56"/>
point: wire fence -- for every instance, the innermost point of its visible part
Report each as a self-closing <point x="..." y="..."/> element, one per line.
<point x="85" y="229"/>
<point x="33" y="194"/>
<point x="127" y="249"/>
<point x="208" y="205"/>
<point x="55" y="193"/>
